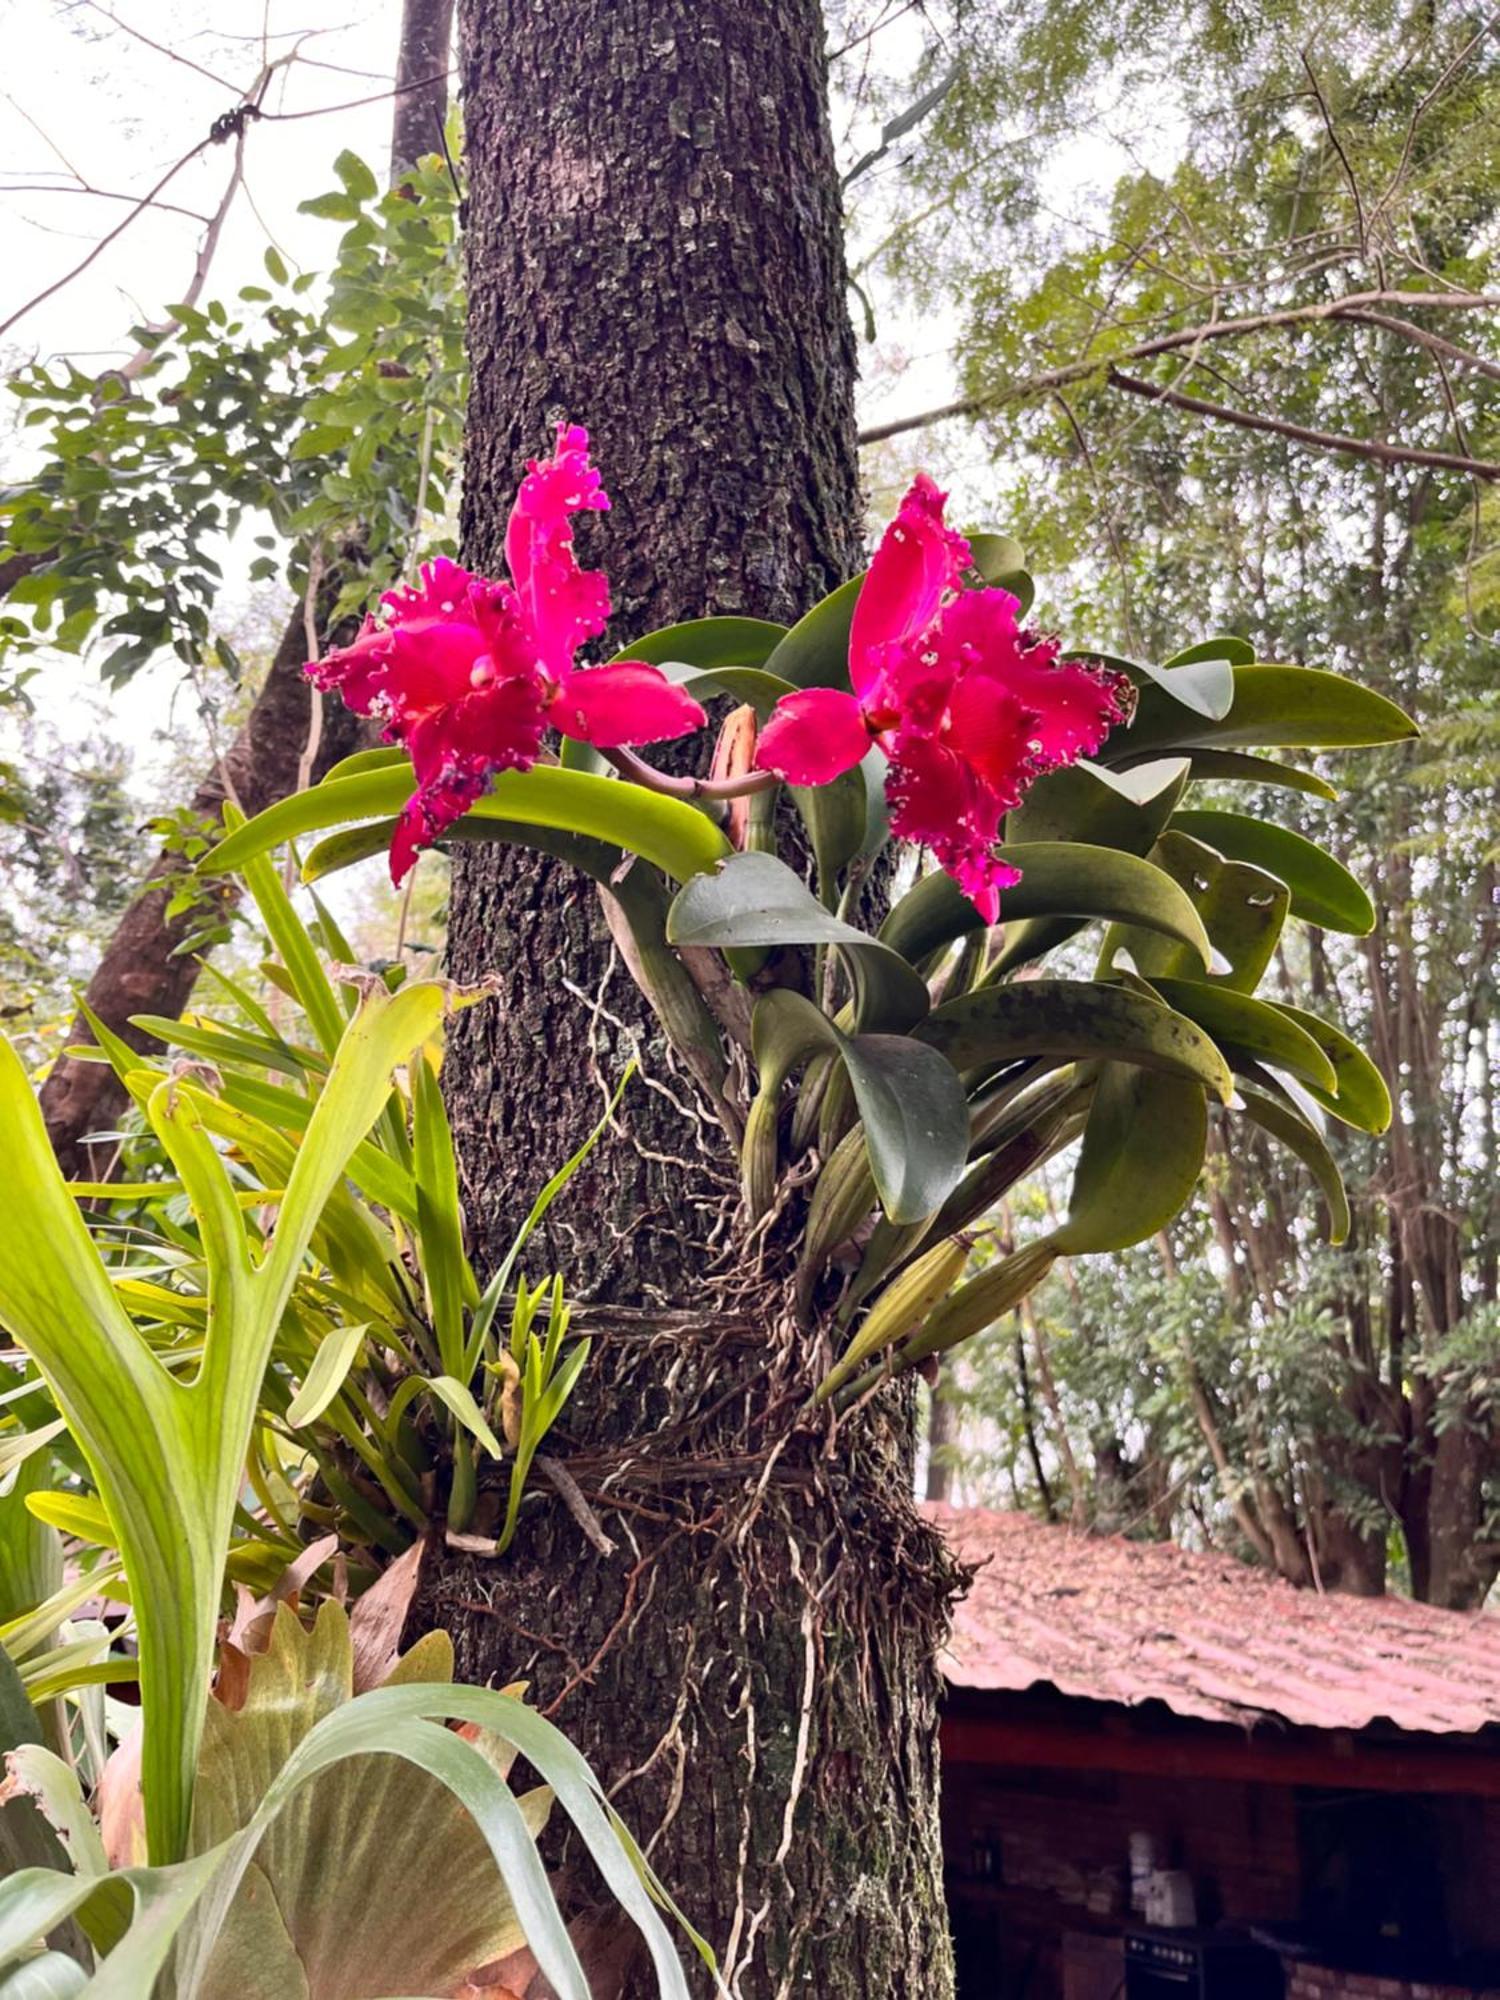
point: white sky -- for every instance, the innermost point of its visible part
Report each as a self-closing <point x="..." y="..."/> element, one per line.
<point x="83" y="102"/>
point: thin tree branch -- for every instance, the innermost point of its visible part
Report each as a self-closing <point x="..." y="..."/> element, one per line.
<point x="100" y="194"/>
<point x="172" y="55"/>
<point x="1386" y="454"/>
<point x="1351" y="305"/>
<point x="1461" y="357"/>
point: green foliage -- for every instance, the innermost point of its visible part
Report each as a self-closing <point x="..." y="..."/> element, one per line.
<point x="313" y="1805"/>
<point x="330" y="413"/>
<point x="908" y="1101"/>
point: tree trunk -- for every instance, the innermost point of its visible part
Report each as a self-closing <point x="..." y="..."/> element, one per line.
<point x="421" y="103"/>
<point x="139" y="973"/>
<point x="655" y="251"/>
<point x="944" y="1433"/>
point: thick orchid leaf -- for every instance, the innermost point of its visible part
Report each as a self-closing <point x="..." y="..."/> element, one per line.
<point x="750" y="685"/>
<point x="1058" y="879"/>
<point x="384" y="757"/>
<point x="1323" y="890"/>
<point x="1362" y="1098"/>
<point x="1141" y="1156"/>
<point x="1274" y="708"/>
<point x="707" y="643"/>
<point x="815" y="652"/>
<point x="754" y="899"/>
<point x="1238" y="767"/>
<point x="1294" y="1132"/>
<point x="836" y="817"/>
<point x="676" y="836"/>
<point x="1076" y="805"/>
<point x="1200" y="680"/>
<point x="1261" y="1030"/>
<point x="910" y="1102"/>
<point x="1073" y="1019"/>
<point x="1243" y="910"/>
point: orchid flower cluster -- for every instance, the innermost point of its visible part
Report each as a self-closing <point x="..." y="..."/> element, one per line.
<point x="968" y="706"/>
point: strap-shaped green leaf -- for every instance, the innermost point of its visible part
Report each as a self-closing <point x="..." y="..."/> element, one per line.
<point x="1361" y="1098"/>
<point x="1073" y="1019"/>
<point x="1284" y="1123"/>
<point x="1239" y="767"/>
<point x="1268" y="1033"/>
<point x="707" y="643"/>
<point x="755" y="900"/>
<point x="1323" y="890"/>
<point x="1058" y="879"/>
<point x="1243" y="910"/>
<point x="1274" y="708"/>
<point x="1141" y="1156"/>
<point x="676" y="836"/>
<point x="911" y="1104"/>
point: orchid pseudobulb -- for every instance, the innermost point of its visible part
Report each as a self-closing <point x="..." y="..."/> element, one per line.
<point x="969" y="707"/>
<point x="468" y="673"/>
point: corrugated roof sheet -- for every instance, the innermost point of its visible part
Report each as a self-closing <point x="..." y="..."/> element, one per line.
<point x="1131" y="1622"/>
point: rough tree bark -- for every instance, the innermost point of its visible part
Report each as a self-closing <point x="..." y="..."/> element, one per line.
<point x="138" y="972"/>
<point x="655" y="251"/>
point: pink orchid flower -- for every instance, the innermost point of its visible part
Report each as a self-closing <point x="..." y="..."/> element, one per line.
<point x="969" y="707"/>
<point x="467" y="673"/>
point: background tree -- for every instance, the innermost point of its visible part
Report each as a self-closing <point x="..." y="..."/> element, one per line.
<point x="1330" y="1415"/>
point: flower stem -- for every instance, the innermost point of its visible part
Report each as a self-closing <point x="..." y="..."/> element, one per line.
<point x="744" y="786"/>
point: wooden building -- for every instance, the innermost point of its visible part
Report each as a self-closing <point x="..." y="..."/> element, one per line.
<point x="1320" y="1774"/>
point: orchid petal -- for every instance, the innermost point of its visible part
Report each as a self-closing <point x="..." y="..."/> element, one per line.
<point x="563" y="604"/>
<point x="628" y="703"/>
<point x="813" y="736"/>
<point x="919" y="561"/>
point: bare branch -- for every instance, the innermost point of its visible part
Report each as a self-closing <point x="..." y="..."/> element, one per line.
<point x="1338" y="146"/>
<point x="172" y="55"/>
<point x="146" y="201"/>
<point x="1461" y="357"/>
<point x="100" y="194"/>
<point x="1387" y="454"/>
<point x="1351" y="306"/>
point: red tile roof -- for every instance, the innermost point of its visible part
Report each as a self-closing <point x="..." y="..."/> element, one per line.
<point x="1131" y="1622"/>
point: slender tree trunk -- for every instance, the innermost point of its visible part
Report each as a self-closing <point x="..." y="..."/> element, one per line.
<point x="655" y="251"/>
<point x="944" y="1431"/>
<point x="421" y="103"/>
<point x="140" y="971"/>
